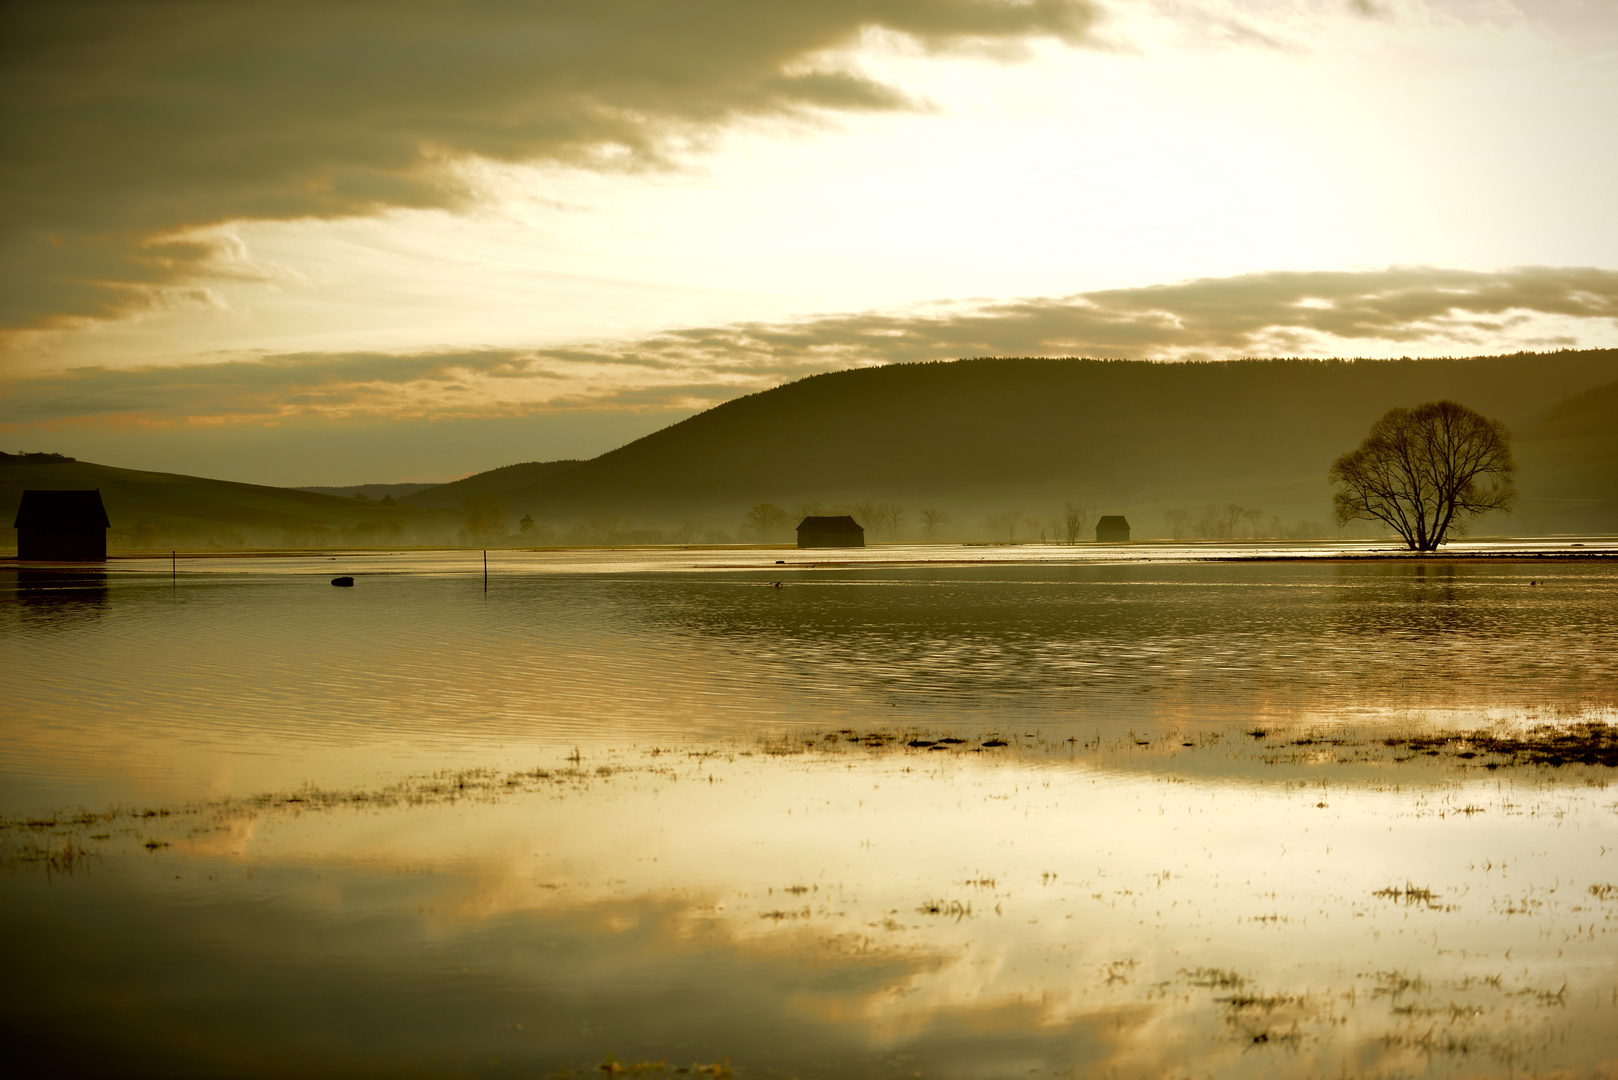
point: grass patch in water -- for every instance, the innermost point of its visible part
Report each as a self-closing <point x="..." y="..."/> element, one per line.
<point x="1589" y="743"/>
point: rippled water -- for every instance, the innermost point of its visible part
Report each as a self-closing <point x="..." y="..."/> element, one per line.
<point x="230" y="681"/>
<point x="418" y="827"/>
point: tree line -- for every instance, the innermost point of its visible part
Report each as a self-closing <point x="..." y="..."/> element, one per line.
<point x="1231" y="521"/>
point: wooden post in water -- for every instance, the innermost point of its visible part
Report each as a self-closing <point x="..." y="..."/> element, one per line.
<point x="174" y="567"/>
<point x="485" y="569"/>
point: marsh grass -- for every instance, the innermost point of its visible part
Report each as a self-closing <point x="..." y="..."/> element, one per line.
<point x="58" y="843"/>
<point x="1587" y="743"/>
<point x="1213" y="978"/>
<point x="1253" y="1011"/>
<point x="949" y="909"/>
<point x="1424" y="1019"/>
<point x="1409" y="894"/>
<point x="611" y="1066"/>
<point x="1266" y="1002"/>
<point x="52" y="854"/>
<point x="780" y="915"/>
<point x="1395" y="984"/>
<point x="1592" y="744"/>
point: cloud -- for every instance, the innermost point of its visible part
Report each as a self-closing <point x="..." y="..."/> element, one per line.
<point x="1278" y="313"/>
<point x="1416" y="309"/>
<point x="124" y="125"/>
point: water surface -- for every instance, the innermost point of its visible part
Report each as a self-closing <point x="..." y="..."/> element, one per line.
<point x="655" y="806"/>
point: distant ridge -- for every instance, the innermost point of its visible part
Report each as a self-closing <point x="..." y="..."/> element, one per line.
<point x="979" y="436"/>
<point x="160" y="510"/>
<point x="450" y="495"/>
<point x="1570" y="463"/>
<point x="972" y="437"/>
<point x="32" y="458"/>
<point x="369" y="491"/>
<point x="493" y="482"/>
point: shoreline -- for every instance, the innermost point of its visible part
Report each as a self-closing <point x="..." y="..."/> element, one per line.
<point x="1511" y="550"/>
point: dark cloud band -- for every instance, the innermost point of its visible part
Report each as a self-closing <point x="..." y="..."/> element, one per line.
<point x="122" y="124"/>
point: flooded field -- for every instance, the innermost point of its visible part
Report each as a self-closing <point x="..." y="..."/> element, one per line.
<point x="707" y="814"/>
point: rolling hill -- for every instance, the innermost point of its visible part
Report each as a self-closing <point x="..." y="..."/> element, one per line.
<point x="1569" y="461"/>
<point x="492" y="482"/>
<point x="974" y="438"/>
<point x="156" y="510"/>
<point x="370" y="491"/>
<point x="977" y="437"/>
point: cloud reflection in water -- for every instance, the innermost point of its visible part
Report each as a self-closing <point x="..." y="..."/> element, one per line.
<point x="841" y="912"/>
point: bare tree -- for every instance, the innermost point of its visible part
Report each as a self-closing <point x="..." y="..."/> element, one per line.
<point x="1424" y="471"/>
<point x="865" y="514"/>
<point x="931" y="518"/>
<point x="1178" y="522"/>
<point x="1076" y="521"/>
<point x="1253" y="515"/>
<point x="767" y="522"/>
<point x="1006" y="523"/>
<point x="893" y="517"/>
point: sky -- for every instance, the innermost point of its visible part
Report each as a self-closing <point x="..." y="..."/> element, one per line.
<point x="342" y="243"/>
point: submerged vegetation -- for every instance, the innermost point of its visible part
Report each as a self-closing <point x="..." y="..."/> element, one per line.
<point x="62" y="843"/>
<point x="861" y="947"/>
<point x="1588" y="743"/>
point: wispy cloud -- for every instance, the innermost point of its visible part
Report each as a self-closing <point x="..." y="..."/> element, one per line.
<point x="1422" y="310"/>
<point x="124" y="125"/>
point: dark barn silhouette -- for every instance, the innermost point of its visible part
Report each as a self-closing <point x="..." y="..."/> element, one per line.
<point x="1112" y="529"/>
<point x="62" y="526"/>
<point x="843" y="531"/>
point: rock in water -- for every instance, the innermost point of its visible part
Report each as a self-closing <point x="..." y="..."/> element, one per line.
<point x="345" y="582"/>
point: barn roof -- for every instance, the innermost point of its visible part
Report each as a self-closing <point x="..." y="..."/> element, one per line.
<point x="1113" y="521"/>
<point x="62" y="510"/>
<point x="840" y="524"/>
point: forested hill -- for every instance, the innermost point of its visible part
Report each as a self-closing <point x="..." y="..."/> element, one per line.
<point x="987" y="435"/>
<point x="1570" y="463"/>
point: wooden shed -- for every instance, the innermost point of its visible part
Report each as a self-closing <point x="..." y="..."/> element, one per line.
<point x="819" y="532"/>
<point x="62" y="526"/>
<point x="1112" y="529"/>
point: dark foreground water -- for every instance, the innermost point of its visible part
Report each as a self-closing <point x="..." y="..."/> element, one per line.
<point x="1049" y="816"/>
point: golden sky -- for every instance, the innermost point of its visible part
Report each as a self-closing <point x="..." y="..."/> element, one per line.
<point x="343" y="242"/>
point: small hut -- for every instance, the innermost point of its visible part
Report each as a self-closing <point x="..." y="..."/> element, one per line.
<point x="1112" y="529"/>
<point x="819" y="532"/>
<point x="62" y="526"/>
